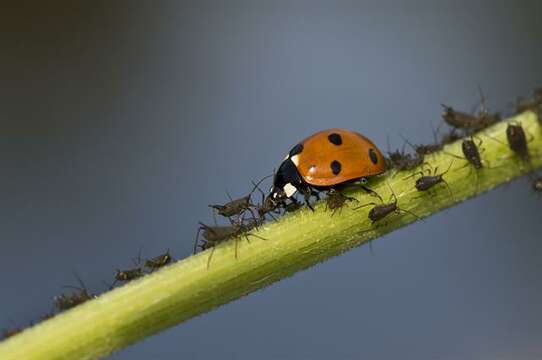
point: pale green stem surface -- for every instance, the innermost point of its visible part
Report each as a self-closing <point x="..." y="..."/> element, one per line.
<point x="297" y="241"/>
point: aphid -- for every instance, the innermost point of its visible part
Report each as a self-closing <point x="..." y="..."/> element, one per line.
<point x="380" y="211"/>
<point x="268" y="206"/>
<point x="426" y="182"/>
<point x="214" y="235"/>
<point x="234" y="207"/>
<point x="467" y="122"/>
<point x="158" y="261"/>
<point x="425" y="149"/>
<point x="471" y="153"/>
<point x="128" y="275"/>
<point x="238" y="206"/>
<point x="324" y="160"/>
<point x="336" y="200"/>
<point x="517" y="140"/>
<point x="65" y="302"/>
<point x="401" y="161"/>
<point x="68" y="301"/>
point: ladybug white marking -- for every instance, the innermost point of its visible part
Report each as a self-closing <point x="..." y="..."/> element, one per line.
<point x="295" y="160"/>
<point x="289" y="189"/>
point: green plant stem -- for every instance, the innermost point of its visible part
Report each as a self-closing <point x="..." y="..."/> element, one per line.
<point x="297" y="241"/>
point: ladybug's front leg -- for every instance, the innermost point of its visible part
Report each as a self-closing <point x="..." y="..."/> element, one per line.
<point x="315" y="193"/>
<point x="307" y="193"/>
<point x="307" y="197"/>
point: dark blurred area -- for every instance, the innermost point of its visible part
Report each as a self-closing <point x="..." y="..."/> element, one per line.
<point x="121" y="121"/>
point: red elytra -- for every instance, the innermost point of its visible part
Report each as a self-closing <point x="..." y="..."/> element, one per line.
<point x="335" y="156"/>
<point x="327" y="159"/>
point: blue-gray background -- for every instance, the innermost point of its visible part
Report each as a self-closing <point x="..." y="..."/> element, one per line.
<point x="121" y="122"/>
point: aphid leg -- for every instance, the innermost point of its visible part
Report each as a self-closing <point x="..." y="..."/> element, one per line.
<point x="414" y="174"/>
<point x="214" y="217"/>
<point x="340" y="209"/>
<point x="210" y="257"/>
<point x="411" y="213"/>
<point x="458" y="157"/>
<point x="109" y="286"/>
<point x="201" y="227"/>
<point x="229" y="196"/>
<point x="480" y="142"/>
<point x="371" y="192"/>
<point x="449" y="189"/>
<point x="246" y="236"/>
<point x="256" y="236"/>
<point x="365" y="205"/>
<point x="445" y="182"/>
<point x="251" y="211"/>
<point x="80" y="281"/>
<point x="448" y="169"/>
<point x="237" y="247"/>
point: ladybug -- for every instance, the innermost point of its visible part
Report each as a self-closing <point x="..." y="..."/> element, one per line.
<point x="325" y="160"/>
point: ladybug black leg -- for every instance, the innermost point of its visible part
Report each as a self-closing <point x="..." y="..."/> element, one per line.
<point x="307" y="193"/>
<point x="307" y="197"/>
<point x="308" y="200"/>
<point x="294" y="201"/>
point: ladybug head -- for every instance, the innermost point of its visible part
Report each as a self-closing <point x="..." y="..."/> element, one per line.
<point x="287" y="181"/>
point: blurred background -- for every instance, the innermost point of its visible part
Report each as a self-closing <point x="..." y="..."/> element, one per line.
<point x="120" y="122"/>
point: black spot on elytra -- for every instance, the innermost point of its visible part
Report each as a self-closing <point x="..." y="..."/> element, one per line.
<point x="372" y="156"/>
<point x="335" y="139"/>
<point x="335" y="167"/>
<point x="296" y="150"/>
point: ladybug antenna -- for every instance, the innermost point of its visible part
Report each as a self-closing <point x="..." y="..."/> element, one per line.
<point x="256" y="187"/>
<point x="258" y="183"/>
